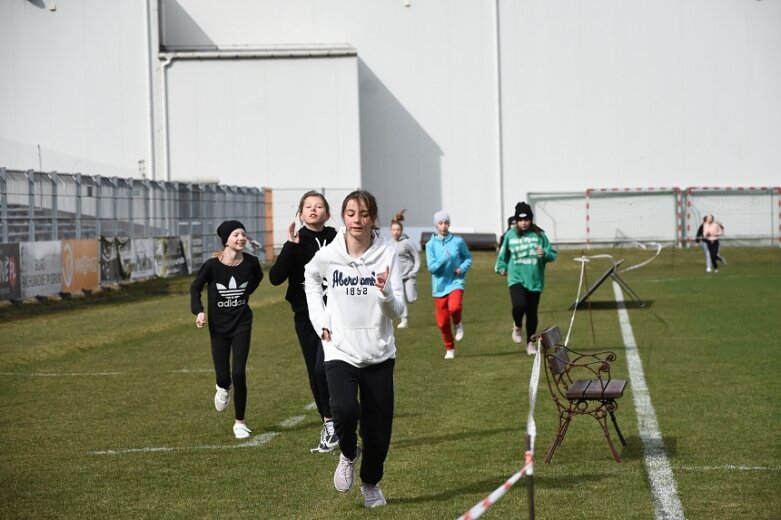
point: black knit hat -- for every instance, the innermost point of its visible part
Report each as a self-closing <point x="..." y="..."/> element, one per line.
<point x="512" y="220"/>
<point x="524" y="211"/>
<point x="226" y="228"/>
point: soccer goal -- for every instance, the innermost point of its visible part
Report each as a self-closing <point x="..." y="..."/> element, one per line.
<point x="610" y="217"/>
<point x="750" y="216"/>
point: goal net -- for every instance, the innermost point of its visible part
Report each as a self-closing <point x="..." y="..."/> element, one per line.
<point x="750" y="216"/>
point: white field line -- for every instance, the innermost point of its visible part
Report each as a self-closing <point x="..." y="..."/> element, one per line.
<point x="255" y="441"/>
<point x="729" y="467"/>
<point x="664" y="493"/>
<point x="292" y="421"/>
<point x="56" y="374"/>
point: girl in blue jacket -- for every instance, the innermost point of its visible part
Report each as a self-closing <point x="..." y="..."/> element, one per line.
<point x="448" y="260"/>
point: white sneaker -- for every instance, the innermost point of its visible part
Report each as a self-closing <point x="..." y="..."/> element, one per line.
<point x="241" y="431"/>
<point x="372" y="496"/>
<point x="403" y="324"/>
<point x="450" y="354"/>
<point x="221" y="398"/>
<point x="329" y="440"/>
<point x="344" y="476"/>
<point x="531" y="348"/>
<point x="459" y="332"/>
<point x="517" y="335"/>
<point x="708" y="270"/>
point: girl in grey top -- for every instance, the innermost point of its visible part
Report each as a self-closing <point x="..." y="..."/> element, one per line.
<point x="409" y="260"/>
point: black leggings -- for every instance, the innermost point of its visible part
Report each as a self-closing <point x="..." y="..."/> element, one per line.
<point x="525" y="302"/>
<point x="363" y="395"/>
<point x="713" y="249"/>
<point x="221" y="352"/>
<point x="312" y="349"/>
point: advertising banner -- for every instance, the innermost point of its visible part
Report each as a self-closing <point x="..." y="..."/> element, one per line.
<point x="169" y="257"/>
<point x="192" y="247"/>
<point x="114" y="259"/>
<point x="10" y="279"/>
<point x="142" y="258"/>
<point x="41" y="268"/>
<point x="79" y="265"/>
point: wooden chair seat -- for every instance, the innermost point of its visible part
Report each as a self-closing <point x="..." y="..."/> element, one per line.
<point x="593" y="389"/>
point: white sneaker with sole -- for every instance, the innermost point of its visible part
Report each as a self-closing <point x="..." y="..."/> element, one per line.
<point x="221" y="398"/>
<point x="241" y="431"/>
<point x="372" y="496"/>
<point x="328" y="439"/>
<point x="344" y="476"/>
<point x="459" y="332"/>
<point x="450" y="354"/>
<point x="531" y="348"/>
<point x="402" y="324"/>
<point x="322" y="445"/>
<point x="517" y="335"/>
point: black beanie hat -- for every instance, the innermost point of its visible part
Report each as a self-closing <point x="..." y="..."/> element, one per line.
<point x="512" y="220"/>
<point x="524" y="211"/>
<point x="226" y="228"/>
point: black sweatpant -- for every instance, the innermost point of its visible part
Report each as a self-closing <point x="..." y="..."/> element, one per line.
<point x="221" y="352"/>
<point x="713" y="249"/>
<point x="525" y="303"/>
<point x="365" y="395"/>
<point x="312" y="349"/>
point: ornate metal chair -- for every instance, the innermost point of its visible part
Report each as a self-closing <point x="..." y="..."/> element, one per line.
<point x="580" y="384"/>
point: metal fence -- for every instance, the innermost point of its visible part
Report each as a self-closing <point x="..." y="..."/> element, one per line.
<point x="40" y="206"/>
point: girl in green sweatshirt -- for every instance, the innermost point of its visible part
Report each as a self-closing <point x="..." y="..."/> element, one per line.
<point x="525" y="251"/>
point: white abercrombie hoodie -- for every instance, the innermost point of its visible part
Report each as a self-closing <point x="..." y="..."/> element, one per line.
<point x="358" y="314"/>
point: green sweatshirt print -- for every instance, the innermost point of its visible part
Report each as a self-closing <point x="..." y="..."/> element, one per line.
<point x="518" y="258"/>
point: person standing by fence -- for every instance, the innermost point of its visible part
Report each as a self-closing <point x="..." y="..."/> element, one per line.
<point x="231" y="276"/>
<point x="409" y="261"/>
<point x="301" y="246"/>
<point x="525" y="251"/>
<point x="448" y="260"/>
<point x="365" y="294"/>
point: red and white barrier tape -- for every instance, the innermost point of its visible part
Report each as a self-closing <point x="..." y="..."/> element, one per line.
<point x="482" y="506"/>
<point x="531" y="430"/>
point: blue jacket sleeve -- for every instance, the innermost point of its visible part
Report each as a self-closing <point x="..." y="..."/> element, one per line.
<point x="466" y="255"/>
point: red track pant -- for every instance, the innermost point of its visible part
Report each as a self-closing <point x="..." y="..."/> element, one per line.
<point x="449" y="308"/>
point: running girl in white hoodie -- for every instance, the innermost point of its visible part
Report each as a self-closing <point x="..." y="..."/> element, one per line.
<point x="365" y="294"/>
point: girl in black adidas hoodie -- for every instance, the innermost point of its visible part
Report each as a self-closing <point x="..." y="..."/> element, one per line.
<point x="231" y="276"/>
<point x="299" y="249"/>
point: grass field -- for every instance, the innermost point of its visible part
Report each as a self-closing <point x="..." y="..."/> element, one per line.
<point x="107" y="404"/>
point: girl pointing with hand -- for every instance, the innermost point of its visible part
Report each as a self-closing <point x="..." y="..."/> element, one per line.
<point x="363" y="281"/>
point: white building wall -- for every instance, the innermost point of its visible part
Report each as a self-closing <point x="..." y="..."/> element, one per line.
<point x="641" y="94"/>
<point x="288" y="124"/>
<point x="594" y="94"/>
<point x="428" y="130"/>
<point x="73" y="82"/>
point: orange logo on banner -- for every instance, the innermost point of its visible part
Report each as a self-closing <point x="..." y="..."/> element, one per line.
<point x="80" y="265"/>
